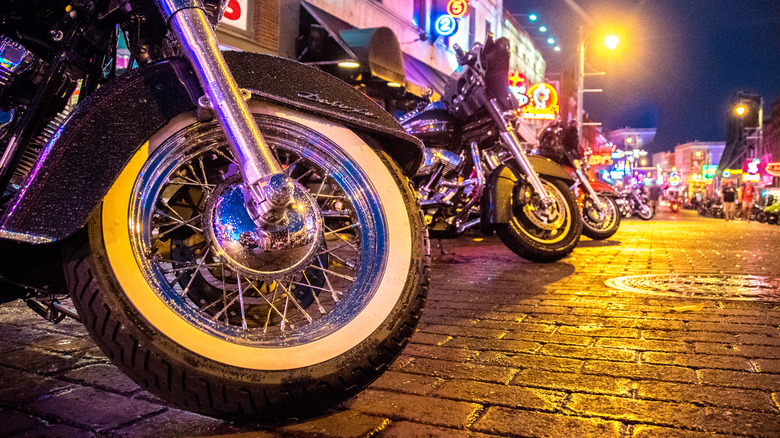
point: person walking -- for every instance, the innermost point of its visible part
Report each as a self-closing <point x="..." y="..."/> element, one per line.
<point x="653" y="196"/>
<point x="729" y="200"/>
<point x="748" y="193"/>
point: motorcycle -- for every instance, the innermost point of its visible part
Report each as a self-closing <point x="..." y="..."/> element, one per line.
<point x="236" y="231"/>
<point x="632" y="203"/>
<point x="475" y="170"/>
<point x="600" y="213"/>
<point x="674" y="206"/>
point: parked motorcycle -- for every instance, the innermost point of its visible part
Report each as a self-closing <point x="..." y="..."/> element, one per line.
<point x="476" y="171"/>
<point x="600" y="213"/>
<point x="632" y="203"/>
<point x="244" y="248"/>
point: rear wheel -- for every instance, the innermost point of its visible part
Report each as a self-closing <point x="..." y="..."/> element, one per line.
<point x="538" y="234"/>
<point x="214" y="334"/>
<point x="600" y="225"/>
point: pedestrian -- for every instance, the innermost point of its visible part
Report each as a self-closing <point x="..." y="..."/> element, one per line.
<point x="655" y="193"/>
<point x="748" y="192"/>
<point x="729" y="200"/>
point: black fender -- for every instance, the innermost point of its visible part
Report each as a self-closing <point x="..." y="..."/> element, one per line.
<point x="498" y="194"/>
<point x="99" y="137"/>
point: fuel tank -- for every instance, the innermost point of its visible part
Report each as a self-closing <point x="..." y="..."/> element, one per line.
<point x="434" y="125"/>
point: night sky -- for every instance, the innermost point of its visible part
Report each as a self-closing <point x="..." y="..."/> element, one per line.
<point x="679" y="64"/>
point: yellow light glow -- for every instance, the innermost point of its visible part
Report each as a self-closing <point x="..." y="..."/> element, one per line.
<point x="644" y="162"/>
<point x="740" y="109"/>
<point x="611" y="41"/>
<point x="698" y="153"/>
<point x="348" y="64"/>
<point x="394" y="84"/>
<point x="629" y="140"/>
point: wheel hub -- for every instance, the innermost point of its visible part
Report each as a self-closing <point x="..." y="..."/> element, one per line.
<point x="263" y="250"/>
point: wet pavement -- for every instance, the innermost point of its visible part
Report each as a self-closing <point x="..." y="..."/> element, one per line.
<point x="505" y="348"/>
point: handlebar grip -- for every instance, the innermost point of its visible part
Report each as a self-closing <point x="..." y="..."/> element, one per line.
<point x="459" y="54"/>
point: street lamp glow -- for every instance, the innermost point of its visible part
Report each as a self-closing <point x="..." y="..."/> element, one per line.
<point x="543" y="29"/>
<point x="557" y="48"/>
<point x="533" y="17"/>
<point x="611" y="42"/>
<point x="740" y="109"/>
<point x="550" y="40"/>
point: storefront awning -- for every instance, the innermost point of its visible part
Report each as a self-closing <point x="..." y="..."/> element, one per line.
<point x="422" y="78"/>
<point x="377" y="50"/>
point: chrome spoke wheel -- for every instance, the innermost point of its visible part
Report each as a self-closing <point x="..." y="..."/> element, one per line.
<point x="179" y="194"/>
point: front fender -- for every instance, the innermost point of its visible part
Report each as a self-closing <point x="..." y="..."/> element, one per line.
<point x="548" y="167"/>
<point x="90" y="149"/>
<point x="497" y="197"/>
<point x="603" y="188"/>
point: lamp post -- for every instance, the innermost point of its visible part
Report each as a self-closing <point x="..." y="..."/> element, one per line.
<point x="740" y="110"/>
<point x="611" y="42"/>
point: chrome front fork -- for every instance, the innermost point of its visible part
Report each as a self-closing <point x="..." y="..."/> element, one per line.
<point x="510" y="139"/>
<point x="588" y="188"/>
<point x="269" y="188"/>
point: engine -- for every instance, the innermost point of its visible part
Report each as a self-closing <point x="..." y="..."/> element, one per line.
<point x="19" y="70"/>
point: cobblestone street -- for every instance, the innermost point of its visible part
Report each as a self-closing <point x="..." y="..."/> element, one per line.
<point x="505" y="348"/>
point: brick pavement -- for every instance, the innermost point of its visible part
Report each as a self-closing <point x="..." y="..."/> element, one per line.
<point x="505" y="348"/>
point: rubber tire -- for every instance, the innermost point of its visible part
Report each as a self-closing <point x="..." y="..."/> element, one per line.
<point x="772" y="219"/>
<point x="199" y="384"/>
<point x="529" y="249"/>
<point x="645" y="212"/>
<point x="603" y="234"/>
<point x="761" y="217"/>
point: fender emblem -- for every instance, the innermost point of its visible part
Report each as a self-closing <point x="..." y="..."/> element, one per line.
<point x="314" y="97"/>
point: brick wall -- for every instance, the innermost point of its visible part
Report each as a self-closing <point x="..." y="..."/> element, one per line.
<point x="266" y="23"/>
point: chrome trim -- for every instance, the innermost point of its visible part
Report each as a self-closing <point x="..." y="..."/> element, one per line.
<point x="199" y="45"/>
<point x="513" y="143"/>
<point x="22" y="237"/>
<point x="170" y="7"/>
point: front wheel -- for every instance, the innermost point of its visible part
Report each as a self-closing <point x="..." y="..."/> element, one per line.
<point x="600" y="225"/>
<point x="538" y="234"/>
<point x="181" y="290"/>
<point x="645" y="212"/>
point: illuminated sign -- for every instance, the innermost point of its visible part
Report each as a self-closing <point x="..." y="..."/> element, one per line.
<point x="773" y="169"/>
<point x="660" y="179"/>
<point x="236" y="14"/>
<point x="543" y="102"/>
<point x="457" y="8"/>
<point x="708" y="171"/>
<point x="751" y="170"/>
<point x="674" y="178"/>
<point x="446" y="25"/>
<point x="517" y="85"/>
<point x="600" y="160"/>
<point x="616" y="174"/>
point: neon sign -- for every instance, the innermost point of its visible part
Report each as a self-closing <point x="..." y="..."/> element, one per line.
<point x="773" y="169"/>
<point x="751" y="171"/>
<point x="708" y="171"/>
<point x="446" y="25"/>
<point x="457" y="8"/>
<point x="674" y="178"/>
<point x="543" y="102"/>
<point x="600" y="160"/>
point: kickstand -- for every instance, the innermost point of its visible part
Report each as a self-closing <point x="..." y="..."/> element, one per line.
<point x="441" y="248"/>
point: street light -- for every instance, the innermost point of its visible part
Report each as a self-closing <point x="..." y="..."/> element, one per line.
<point x="611" y="42"/>
<point x="741" y="110"/>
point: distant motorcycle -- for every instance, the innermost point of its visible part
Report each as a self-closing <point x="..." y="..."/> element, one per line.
<point x="476" y="172"/>
<point x="632" y="203"/>
<point x="674" y="206"/>
<point x="600" y="213"/>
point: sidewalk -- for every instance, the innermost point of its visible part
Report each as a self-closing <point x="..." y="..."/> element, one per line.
<point x="505" y="348"/>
